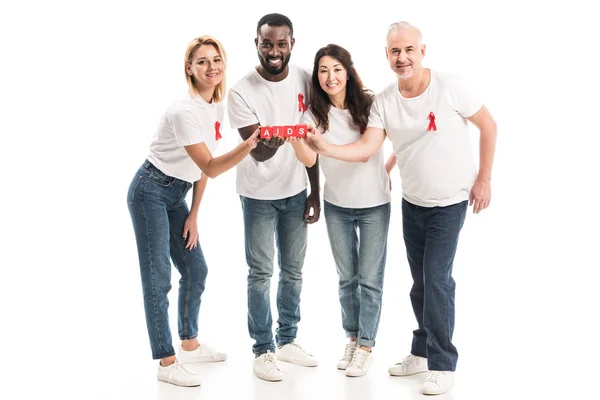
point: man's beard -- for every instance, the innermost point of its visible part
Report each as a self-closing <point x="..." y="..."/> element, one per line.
<point x="272" y="69"/>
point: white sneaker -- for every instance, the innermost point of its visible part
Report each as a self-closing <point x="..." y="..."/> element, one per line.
<point x="360" y="363"/>
<point x="437" y="382"/>
<point x="409" y="366"/>
<point x="294" y="354"/>
<point x="204" y="353"/>
<point x="348" y="353"/>
<point x="265" y="367"/>
<point x="177" y="374"/>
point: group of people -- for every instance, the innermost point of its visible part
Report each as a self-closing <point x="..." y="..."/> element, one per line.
<point x="423" y="113"/>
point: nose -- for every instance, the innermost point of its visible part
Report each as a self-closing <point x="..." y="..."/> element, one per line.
<point x="402" y="57"/>
<point x="275" y="52"/>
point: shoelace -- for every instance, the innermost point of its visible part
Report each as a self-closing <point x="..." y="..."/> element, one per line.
<point x="349" y="351"/>
<point x="408" y="360"/>
<point x="297" y="349"/>
<point x="433" y="376"/>
<point x="269" y="358"/>
<point x="180" y="368"/>
<point x="359" y="358"/>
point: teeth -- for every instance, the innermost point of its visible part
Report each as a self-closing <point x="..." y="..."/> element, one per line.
<point x="332" y="84"/>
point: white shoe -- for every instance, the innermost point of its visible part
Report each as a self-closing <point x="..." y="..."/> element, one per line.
<point x="204" y="353"/>
<point x="265" y="367"/>
<point x="348" y="353"/>
<point x="409" y="366"/>
<point x="294" y="354"/>
<point x="437" y="382"/>
<point x="360" y="363"/>
<point x="177" y="374"/>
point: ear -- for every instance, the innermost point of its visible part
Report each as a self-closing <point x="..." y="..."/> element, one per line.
<point x="256" y="42"/>
<point x="423" y="48"/>
<point x="188" y="69"/>
<point x="387" y="54"/>
<point x="293" y="41"/>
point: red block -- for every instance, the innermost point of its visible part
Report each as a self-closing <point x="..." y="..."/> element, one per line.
<point x="289" y="131"/>
<point x="266" y="132"/>
<point x="278" y="131"/>
<point x="301" y="130"/>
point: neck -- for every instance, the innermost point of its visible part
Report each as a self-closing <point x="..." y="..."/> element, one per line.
<point x="339" y="100"/>
<point x="416" y="85"/>
<point x="273" y="78"/>
<point x="206" y="94"/>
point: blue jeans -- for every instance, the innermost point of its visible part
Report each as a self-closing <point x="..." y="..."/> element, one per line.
<point x="358" y="239"/>
<point x="283" y="220"/>
<point x="431" y="237"/>
<point x="158" y="211"/>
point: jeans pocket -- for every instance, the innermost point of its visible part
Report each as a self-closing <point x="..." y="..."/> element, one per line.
<point x="135" y="182"/>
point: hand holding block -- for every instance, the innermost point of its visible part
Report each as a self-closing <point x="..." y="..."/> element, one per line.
<point x="288" y="131"/>
<point x="266" y="132"/>
<point x="301" y="130"/>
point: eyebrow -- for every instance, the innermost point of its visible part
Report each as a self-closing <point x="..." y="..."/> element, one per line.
<point x="334" y="65"/>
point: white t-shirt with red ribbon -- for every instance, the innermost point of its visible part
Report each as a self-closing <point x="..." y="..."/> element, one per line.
<point x="255" y="100"/>
<point x="430" y="139"/>
<point x="351" y="184"/>
<point x="186" y="122"/>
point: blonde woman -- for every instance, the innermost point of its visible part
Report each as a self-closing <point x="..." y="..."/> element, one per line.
<point x="165" y="229"/>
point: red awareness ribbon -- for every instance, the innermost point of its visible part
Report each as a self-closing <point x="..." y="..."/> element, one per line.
<point x="217" y="133"/>
<point x="301" y="105"/>
<point x="431" y="126"/>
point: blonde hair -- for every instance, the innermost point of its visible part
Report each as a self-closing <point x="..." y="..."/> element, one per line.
<point x="194" y="45"/>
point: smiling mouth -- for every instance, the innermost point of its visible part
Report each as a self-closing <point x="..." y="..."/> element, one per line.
<point x="332" y="85"/>
<point x="275" y="61"/>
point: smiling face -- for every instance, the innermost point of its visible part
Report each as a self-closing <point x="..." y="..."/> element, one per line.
<point x="405" y="52"/>
<point x="206" y="67"/>
<point x="274" y="45"/>
<point x="332" y="77"/>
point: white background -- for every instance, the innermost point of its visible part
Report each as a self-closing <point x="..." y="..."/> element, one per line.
<point x="82" y="87"/>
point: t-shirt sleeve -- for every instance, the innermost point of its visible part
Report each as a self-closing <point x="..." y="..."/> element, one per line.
<point x="375" y="116"/>
<point x="468" y="100"/>
<point x="307" y="118"/>
<point x="186" y="128"/>
<point x="240" y="114"/>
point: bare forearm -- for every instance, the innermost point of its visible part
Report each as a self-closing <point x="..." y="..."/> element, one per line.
<point x="218" y="165"/>
<point x="487" y="148"/>
<point x="263" y="153"/>
<point x="313" y="177"/>
<point x="197" y="194"/>
<point x="304" y="154"/>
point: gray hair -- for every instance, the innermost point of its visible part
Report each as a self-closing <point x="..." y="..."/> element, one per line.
<point x="403" y="25"/>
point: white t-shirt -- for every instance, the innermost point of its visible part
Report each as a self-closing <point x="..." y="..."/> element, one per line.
<point x="351" y="184"/>
<point x="436" y="167"/>
<point x="255" y="100"/>
<point x="186" y="122"/>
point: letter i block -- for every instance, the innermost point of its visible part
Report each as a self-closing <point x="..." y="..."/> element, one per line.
<point x="300" y="131"/>
<point x="278" y="131"/>
<point x="266" y="132"/>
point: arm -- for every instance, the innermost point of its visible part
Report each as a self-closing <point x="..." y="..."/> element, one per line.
<point x="265" y="148"/>
<point x="304" y="154"/>
<point x="361" y="150"/>
<point x="481" y="193"/>
<point x="214" y="167"/>
<point x="314" y="199"/>
<point x="190" y="227"/>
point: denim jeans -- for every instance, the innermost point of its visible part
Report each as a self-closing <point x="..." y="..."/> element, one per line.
<point x="158" y="211"/>
<point x="358" y="239"/>
<point x="431" y="237"/>
<point x="283" y="220"/>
